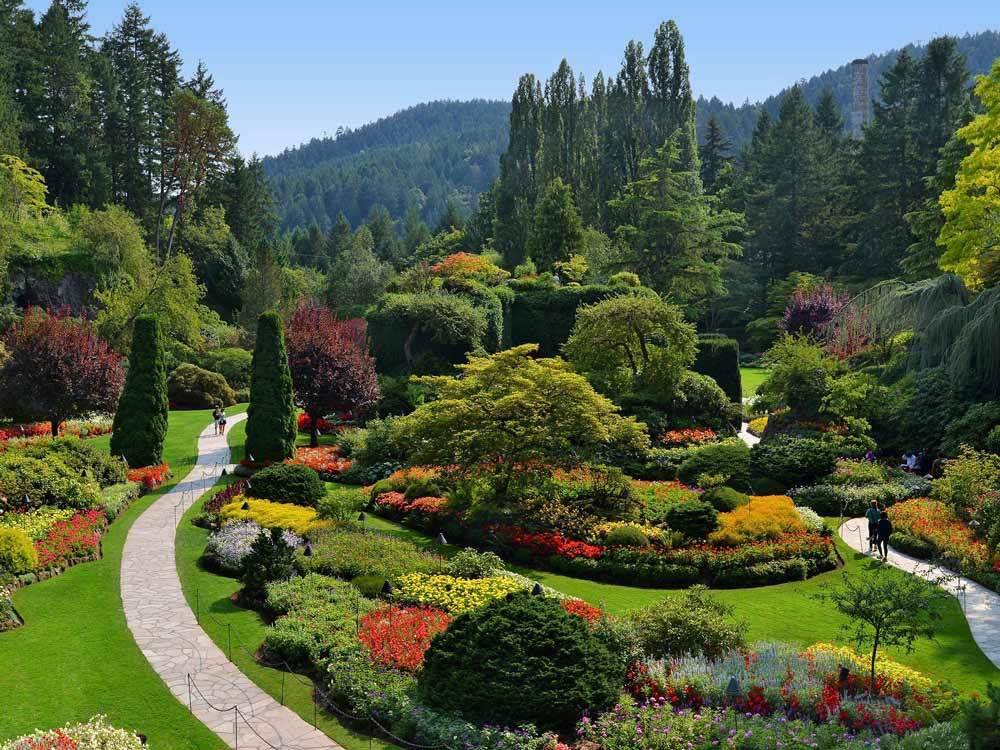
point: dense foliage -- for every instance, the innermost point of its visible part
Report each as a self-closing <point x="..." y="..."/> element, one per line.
<point x="141" y="417"/>
<point x="271" y="414"/>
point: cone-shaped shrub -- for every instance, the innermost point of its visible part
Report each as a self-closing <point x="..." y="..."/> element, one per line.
<point x="271" y="423"/>
<point x="141" y="418"/>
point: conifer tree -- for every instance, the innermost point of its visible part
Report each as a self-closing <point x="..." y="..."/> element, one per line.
<point x="557" y="232"/>
<point x="271" y="422"/>
<point x="714" y="154"/>
<point x="141" y="417"/>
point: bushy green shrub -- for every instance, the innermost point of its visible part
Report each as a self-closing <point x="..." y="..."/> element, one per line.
<point x="422" y="488"/>
<point x="767" y="486"/>
<point x="792" y="461"/>
<point x="17" y="553"/>
<point x="719" y="358"/>
<point x="969" y="476"/>
<point x="694" y="623"/>
<point x="141" y="417"/>
<point x="270" y="559"/>
<point x="190" y="387"/>
<point x="699" y="400"/>
<point x="730" y="458"/>
<point x="271" y="423"/>
<point x="472" y="564"/>
<point x="518" y="660"/>
<point x="972" y="428"/>
<point x="47" y="481"/>
<point x="348" y="554"/>
<point x="81" y="456"/>
<point x="117" y="497"/>
<point x="625" y="278"/>
<point x="369" y="586"/>
<point x="831" y="500"/>
<point x="981" y="720"/>
<point x="695" y="519"/>
<point x="724" y="498"/>
<point x="627" y="536"/>
<point x="913" y="546"/>
<point x="288" y="483"/>
<point x="340" y="506"/>
<point x="232" y="363"/>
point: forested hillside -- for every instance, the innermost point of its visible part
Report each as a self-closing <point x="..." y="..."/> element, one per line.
<point x="738" y="120"/>
<point x="422" y="157"/>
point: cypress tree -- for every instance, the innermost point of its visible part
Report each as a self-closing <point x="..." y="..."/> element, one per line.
<point x="271" y="414"/>
<point x="141" y="418"/>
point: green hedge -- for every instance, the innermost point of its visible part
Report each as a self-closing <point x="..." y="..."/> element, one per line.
<point x="719" y="358"/>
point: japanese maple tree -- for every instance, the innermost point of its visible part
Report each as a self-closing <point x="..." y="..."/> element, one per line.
<point x="57" y="369"/>
<point x="331" y="367"/>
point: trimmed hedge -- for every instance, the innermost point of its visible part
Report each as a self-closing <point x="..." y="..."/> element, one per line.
<point x="719" y="358"/>
<point x="288" y="483"/>
<point x="730" y="458"/>
<point x="792" y="461"/>
<point x="829" y="499"/>
<point x="191" y="387"/>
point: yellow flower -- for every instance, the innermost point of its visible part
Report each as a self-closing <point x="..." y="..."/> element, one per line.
<point x="454" y="595"/>
<point x="296" y="518"/>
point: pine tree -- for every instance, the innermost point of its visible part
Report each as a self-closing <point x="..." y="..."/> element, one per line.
<point x="339" y="237"/>
<point x="271" y="425"/>
<point x="557" y="232"/>
<point x="671" y="105"/>
<point x="714" y="154"/>
<point x="141" y="417"/>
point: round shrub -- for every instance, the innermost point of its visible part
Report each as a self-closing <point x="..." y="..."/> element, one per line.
<point x="627" y="536"/>
<point x="47" y="481"/>
<point x="694" y="519"/>
<point x="699" y="400"/>
<point x="518" y="660"/>
<point x="730" y="459"/>
<point x="792" y="461"/>
<point x="625" y="278"/>
<point x="232" y="363"/>
<point x="17" y="553"/>
<point x="692" y="624"/>
<point x="724" y="498"/>
<point x="190" y="387"/>
<point x="422" y="488"/>
<point x="288" y="483"/>
<point x="472" y="564"/>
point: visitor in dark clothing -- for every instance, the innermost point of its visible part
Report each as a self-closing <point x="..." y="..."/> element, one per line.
<point x="884" y="532"/>
<point x="873" y="515"/>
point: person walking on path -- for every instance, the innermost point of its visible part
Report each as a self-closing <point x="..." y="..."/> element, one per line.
<point x="884" y="532"/>
<point x="216" y="416"/>
<point x="222" y="420"/>
<point x="873" y="516"/>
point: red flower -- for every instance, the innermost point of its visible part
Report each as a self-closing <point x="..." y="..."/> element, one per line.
<point x="580" y="608"/>
<point x="150" y="476"/>
<point x="80" y="536"/>
<point x="400" y="636"/>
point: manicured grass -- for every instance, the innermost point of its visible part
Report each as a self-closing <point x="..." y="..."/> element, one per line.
<point x="750" y="378"/>
<point x="75" y="657"/>
<point x="222" y="619"/>
<point x="785" y="612"/>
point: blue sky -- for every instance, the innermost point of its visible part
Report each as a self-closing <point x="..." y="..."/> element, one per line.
<point x="296" y="69"/>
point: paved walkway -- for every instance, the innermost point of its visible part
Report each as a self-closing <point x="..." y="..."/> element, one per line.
<point x="165" y="628"/>
<point x="981" y="606"/>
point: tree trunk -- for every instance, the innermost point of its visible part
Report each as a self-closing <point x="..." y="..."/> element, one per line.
<point x="313" y="431"/>
<point x="55" y="422"/>
<point x="871" y="683"/>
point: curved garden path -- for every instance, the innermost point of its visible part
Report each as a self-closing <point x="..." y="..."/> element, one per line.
<point x="165" y="629"/>
<point x="981" y="606"/>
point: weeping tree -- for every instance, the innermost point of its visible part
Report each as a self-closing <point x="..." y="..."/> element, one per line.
<point x="951" y="328"/>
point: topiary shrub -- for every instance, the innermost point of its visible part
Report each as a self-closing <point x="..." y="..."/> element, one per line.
<point x="232" y="363"/>
<point x="288" y="483"/>
<point x="719" y="358"/>
<point x="271" y="424"/>
<point x="699" y="400"/>
<point x="520" y="660"/>
<point x="627" y="536"/>
<point x="729" y="459"/>
<point x="724" y="498"/>
<point x="271" y="559"/>
<point x="141" y="417"/>
<point x="792" y="461"/>
<point x="190" y="387"/>
<point x="693" y="624"/>
<point x="17" y="553"/>
<point x="694" y="519"/>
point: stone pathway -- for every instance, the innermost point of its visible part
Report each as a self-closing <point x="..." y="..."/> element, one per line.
<point x="165" y="628"/>
<point x="981" y="606"/>
<point x="746" y="437"/>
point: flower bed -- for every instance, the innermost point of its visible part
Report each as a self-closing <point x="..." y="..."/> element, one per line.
<point x="71" y="540"/>
<point x="767" y="517"/>
<point x="78" y="428"/>
<point x="151" y="477"/>
<point x="454" y="595"/>
<point x="228" y="546"/>
<point x="96" y="734"/>
<point x="324" y="460"/>
<point x="296" y="518"/>
<point x="36" y="523"/>
<point x="398" y="637"/>
<point x="687" y="436"/>
<point x="325" y="426"/>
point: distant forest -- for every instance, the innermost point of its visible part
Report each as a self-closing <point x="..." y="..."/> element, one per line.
<point x="433" y="154"/>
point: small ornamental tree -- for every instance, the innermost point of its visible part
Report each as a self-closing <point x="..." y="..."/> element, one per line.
<point x="57" y="369"/>
<point x="141" y="418"/>
<point x="271" y="423"/>
<point x="810" y="310"/>
<point x="330" y="364"/>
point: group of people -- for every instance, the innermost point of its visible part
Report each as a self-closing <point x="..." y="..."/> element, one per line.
<point x="879" y="531"/>
<point x="219" y="420"/>
<point x="917" y="463"/>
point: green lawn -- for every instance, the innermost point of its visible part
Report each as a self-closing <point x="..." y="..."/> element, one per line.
<point x="751" y="377"/>
<point x="784" y="612"/>
<point x="75" y="657"/>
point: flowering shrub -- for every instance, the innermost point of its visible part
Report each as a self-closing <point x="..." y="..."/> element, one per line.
<point x="765" y="517"/>
<point x="150" y="476"/>
<point x="326" y="427"/>
<point x="96" y="734"/>
<point x="399" y="637"/>
<point x="325" y="460"/>
<point x="813" y="520"/>
<point x="652" y="533"/>
<point x="546" y="544"/>
<point x="687" y="436"/>
<point x="75" y="427"/>
<point x="227" y="547"/>
<point x="657" y="497"/>
<point x="468" y="266"/>
<point x="223" y="497"/>
<point x="936" y="523"/>
<point x="80" y="536"/>
<point x="856" y="472"/>
<point x="454" y="595"/>
<point x="36" y="523"/>
<point x="580" y="608"/>
<point x="757" y="426"/>
<point x="296" y="518"/>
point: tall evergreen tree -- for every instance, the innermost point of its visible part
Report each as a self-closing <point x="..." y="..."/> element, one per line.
<point x="271" y="425"/>
<point x="140" y="424"/>
<point x="556" y="232"/>
<point x="714" y="154"/>
<point x="339" y="237"/>
<point x="671" y="105"/>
